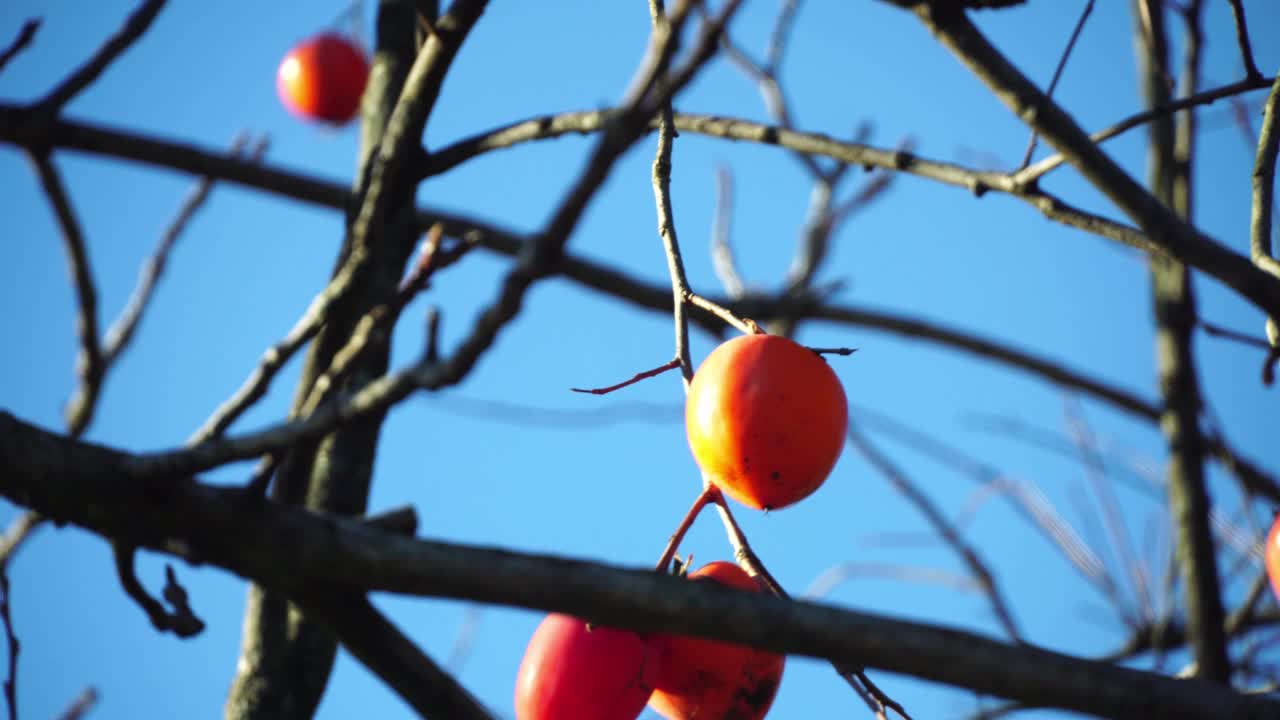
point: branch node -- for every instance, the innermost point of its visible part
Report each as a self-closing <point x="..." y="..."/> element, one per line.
<point x="182" y="621"/>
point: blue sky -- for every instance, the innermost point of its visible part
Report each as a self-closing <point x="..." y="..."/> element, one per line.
<point x="511" y="457"/>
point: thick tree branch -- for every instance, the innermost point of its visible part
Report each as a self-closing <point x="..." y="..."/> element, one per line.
<point x="1170" y="158"/>
<point x="19" y="126"/>
<point x="285" y="676"/>
<point x="276" y="545"/>
<point x="373" y="640"/>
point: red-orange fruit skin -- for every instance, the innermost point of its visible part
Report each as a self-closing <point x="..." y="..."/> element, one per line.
<point x="570" y="672"/>
<point x="1271" y="555"/>
<point x="766" y="420"/>
<point x="323" y="78"/>
<point x="702" y="679"/>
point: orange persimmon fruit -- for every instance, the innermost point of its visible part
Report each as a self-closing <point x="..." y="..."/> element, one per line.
<point x="699" y="678"/>
<point x="323" y="78"/>
<point x="1271" y="556"/>
<point x="575" y="671"/>
<point x="766" y="420"/>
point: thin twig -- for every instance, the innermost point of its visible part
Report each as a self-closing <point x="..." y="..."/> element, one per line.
<point x="465" y="639"/>
<point x="1240" y="618"/>
<point x="1219" y="331"/>
<point x="11" y="679"/>
<point x="830" y="578"/>
<point x="1118" y="533"/>
<point x="133" y="28"/>
<point x="255" y="386"/>
<point x="1057" y="75"/>
<point x="1242" y="39"/>
<point x="723" y="262"/>
<point x="21" y="42"/>
<point x="375" y="326"/>
<point x="667" y="226"/>
<point x="1034" y="172"/>
<point x="89" y="362"/>
<point x="17" y="534"/>
<point x="669" y="365"/>
<point x="877" y="701"/>
<point x="1026" y="499"/>
<point x="941" y="525"/>
<point x="83" y="703"/>
<point x="745" y="325"/>
<point x="765" y="75"/>
<point x="122" y="330"/>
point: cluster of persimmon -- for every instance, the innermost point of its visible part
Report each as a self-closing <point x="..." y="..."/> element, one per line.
<point x="322" y="79"/>
<point x="766" y="421"/>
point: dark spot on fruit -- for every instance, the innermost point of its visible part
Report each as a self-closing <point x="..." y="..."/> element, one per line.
<point x="775" y="476"/>
<point x="760" y="695"/>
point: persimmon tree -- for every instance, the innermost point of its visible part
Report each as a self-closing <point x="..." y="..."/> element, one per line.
<point x="298" y="526"/>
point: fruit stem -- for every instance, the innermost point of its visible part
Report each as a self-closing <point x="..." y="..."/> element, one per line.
<point x="742" y="552"/>
<point x="710" y="493"/>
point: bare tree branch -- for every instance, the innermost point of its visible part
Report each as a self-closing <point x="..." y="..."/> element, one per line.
<point x="121" y="331"/>
<point x="1172" y="235"/>
<point x="942" y="526"/>
<point x="1170" y="160"/>
<point x="133" y="28"/>
<point x="1264" y="172"/>
<point x="90" y="365"/>
<point x="286" y="657"/>
<point x="1057" y="75"/>
<point x="276" y="545"/>
<point x="21" y="42"/>
<point x="182" y="622"/>
<point x="661" y="178"/>
<point x="377" y="643"/>
<point x="723" y="262"/>
<point x="17" y="534"/>
<point x="1242" y="38"/>
<point x="1042" y="168"/>
<point x="11" y="644"/>
<point x="14" y="128"/>
<point x="83" y="703"/>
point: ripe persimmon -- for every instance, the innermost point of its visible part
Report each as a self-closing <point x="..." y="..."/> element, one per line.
<point x="1271" y="556"/>
<point x="575" y="671"/>
<point x="766" y="419"/>
<point x="323" y="78"/>
<point x="699" y="678"/>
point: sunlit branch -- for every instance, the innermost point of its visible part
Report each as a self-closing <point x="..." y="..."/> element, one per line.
<point x="277" y="545"/>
